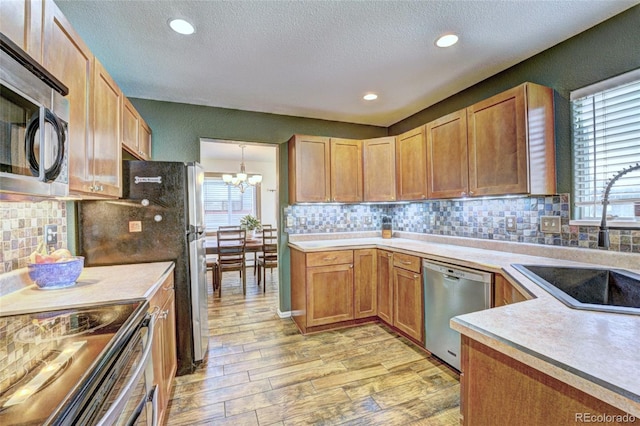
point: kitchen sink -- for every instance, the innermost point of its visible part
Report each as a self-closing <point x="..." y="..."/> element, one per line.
<point x="596" y="289"/>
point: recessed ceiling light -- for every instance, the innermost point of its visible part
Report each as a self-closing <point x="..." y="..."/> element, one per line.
<point x="447" y="40"/>
<point x="181" y="26"/>
<point x="370" y="97"/>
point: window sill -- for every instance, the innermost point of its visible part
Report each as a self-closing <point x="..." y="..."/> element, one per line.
<point x="625" y="223"/>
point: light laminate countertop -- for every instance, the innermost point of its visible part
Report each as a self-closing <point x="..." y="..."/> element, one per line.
<point x="595" y="352"/>
<point x="96" y="285"/>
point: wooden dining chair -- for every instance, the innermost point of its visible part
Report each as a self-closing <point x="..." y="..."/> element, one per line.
<point x="255" y="255"/>
<point x="269" y="257"/>
<point x="231" y="255"/>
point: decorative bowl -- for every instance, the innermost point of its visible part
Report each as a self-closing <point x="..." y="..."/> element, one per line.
<point x="56" y="275"/>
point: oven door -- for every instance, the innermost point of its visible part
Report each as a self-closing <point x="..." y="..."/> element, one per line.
<point x="132" y="398"/>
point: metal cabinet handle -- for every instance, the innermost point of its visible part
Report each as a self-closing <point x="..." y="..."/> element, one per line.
<point x="389" y="255"/>
<point x="164" y="314"/>
<point x="463" y="193"/>
<point x="329" y="259"/>
<point x="405" y="262"/>
<point x="415" y="275"/>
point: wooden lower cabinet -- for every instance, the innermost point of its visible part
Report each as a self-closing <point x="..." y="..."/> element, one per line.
<point x="497" y="389"/>
<point x="385" y="286"/>
<point x="365" y="271"/>
<point x="505" y="293"/>
<point x="329" y="294"/>
<point x="164" y="352"/>
<point x="408" y="311"/>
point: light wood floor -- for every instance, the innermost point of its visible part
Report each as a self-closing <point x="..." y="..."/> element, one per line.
<point x="261" y="371"/>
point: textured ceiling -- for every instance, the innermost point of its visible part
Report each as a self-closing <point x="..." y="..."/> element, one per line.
<point x="318" y="58"/>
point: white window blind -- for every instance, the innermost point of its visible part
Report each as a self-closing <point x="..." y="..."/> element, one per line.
<point x="224" y="204"/>
<point x="606" y="139"/>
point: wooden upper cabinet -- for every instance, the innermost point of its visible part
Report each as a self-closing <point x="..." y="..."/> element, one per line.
<point x="70" y="60"/>
<point x="346" y="170"/>
<point x="447" y="157"/>
<point x="309" y="169"/>
<point x="379" y="169"/>
<point x="21" y="21"/>
<point x="107" y="118"/>
<point x="411" y="165"/>
<point x="144" y="140"/>
<point x="511" y="143"/>
<point x="136" y="134"/>
<point x="130" y="127"/>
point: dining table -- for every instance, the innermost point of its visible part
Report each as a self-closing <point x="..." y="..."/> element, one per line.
<point x="251" y="245"/>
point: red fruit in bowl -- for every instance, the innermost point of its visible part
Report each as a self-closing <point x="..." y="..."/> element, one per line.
<point x="44" y="259"/>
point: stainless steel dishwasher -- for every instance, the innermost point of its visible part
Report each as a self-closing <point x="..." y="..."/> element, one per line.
<point x="450" y="291"/>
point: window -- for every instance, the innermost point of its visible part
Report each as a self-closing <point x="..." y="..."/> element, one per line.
<point x="225" y="204"/>
<point x="606" y="140"/>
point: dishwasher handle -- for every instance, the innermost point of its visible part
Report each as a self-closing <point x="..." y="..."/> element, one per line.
<point x="450" y="277"/>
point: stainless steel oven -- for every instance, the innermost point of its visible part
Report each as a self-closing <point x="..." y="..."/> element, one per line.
<point x="34" y="115"/>
<point x="89" y="366"/>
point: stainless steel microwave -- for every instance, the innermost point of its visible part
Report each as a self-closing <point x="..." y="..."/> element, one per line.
<point x="34" y="116"/>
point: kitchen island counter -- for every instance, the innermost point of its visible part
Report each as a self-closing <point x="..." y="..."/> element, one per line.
<point x="595" y="352"/>
<point x="95" y="286"/>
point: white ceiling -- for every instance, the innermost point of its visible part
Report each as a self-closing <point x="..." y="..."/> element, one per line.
<point x="215" y="149"/>
<point x="318" y="58"/>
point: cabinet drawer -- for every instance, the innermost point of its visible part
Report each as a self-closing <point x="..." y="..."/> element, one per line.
<point x="162" y="294"/>
<point x="326" y="258"/>
<point x="405" y="261"/>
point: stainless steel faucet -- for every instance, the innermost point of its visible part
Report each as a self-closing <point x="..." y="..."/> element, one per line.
<point x="603" y="234"/>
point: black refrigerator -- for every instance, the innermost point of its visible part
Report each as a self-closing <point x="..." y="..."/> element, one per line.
<point x="159" y="218"/>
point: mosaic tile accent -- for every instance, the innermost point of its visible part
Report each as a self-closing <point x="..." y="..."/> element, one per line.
<point x="475" y="218"/>
<point x="22" y="226"/>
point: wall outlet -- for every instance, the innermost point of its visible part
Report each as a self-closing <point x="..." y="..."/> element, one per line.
<point x="51" y="234"/>
<point x="302" y="220"/>
<point x="510" y="223"/>
<point x="550" y="224"/>
<point x="367" y="220"/>
<point x="289" y="221"/>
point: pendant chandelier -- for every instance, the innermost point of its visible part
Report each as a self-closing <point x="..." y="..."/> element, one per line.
<point x="241" y="180"/>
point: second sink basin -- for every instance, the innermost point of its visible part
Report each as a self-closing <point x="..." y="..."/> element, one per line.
<point x="599" y="289"/>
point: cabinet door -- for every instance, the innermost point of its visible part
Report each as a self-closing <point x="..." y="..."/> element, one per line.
<point x="498" y="145"/>
<point x="448" y="164"/>
<point x="21" y="22"/>
<point x="129" y="127"/>
<point x="169" y="351"/>
<point x="346" y="170"/>
<point x="309" y="168"/>
<point x="70" y="60"/>
<point x="411" y="165"/>
<point x="144" y="140"/>
<point x="365" y="273"/>
<point x="379" y="169"/>
<point x="107" y="118"/>
<point x="407" y="310"/>
<point x="385" y="286"/>
<point x="329" y="294"/>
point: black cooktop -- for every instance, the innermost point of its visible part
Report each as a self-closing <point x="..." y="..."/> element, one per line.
<point x="55" y="359"/>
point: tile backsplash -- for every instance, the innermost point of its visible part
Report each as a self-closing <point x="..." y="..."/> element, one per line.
<point x="479" y="218"/>
<point x="22" y="229"/>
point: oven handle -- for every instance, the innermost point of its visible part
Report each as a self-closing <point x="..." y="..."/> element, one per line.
<point x="116" y="408"/>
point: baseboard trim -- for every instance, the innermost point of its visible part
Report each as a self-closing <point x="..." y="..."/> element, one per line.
<point x="286" y="314"/>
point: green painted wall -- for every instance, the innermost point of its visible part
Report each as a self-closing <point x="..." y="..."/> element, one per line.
<point x="606" y="50"/>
